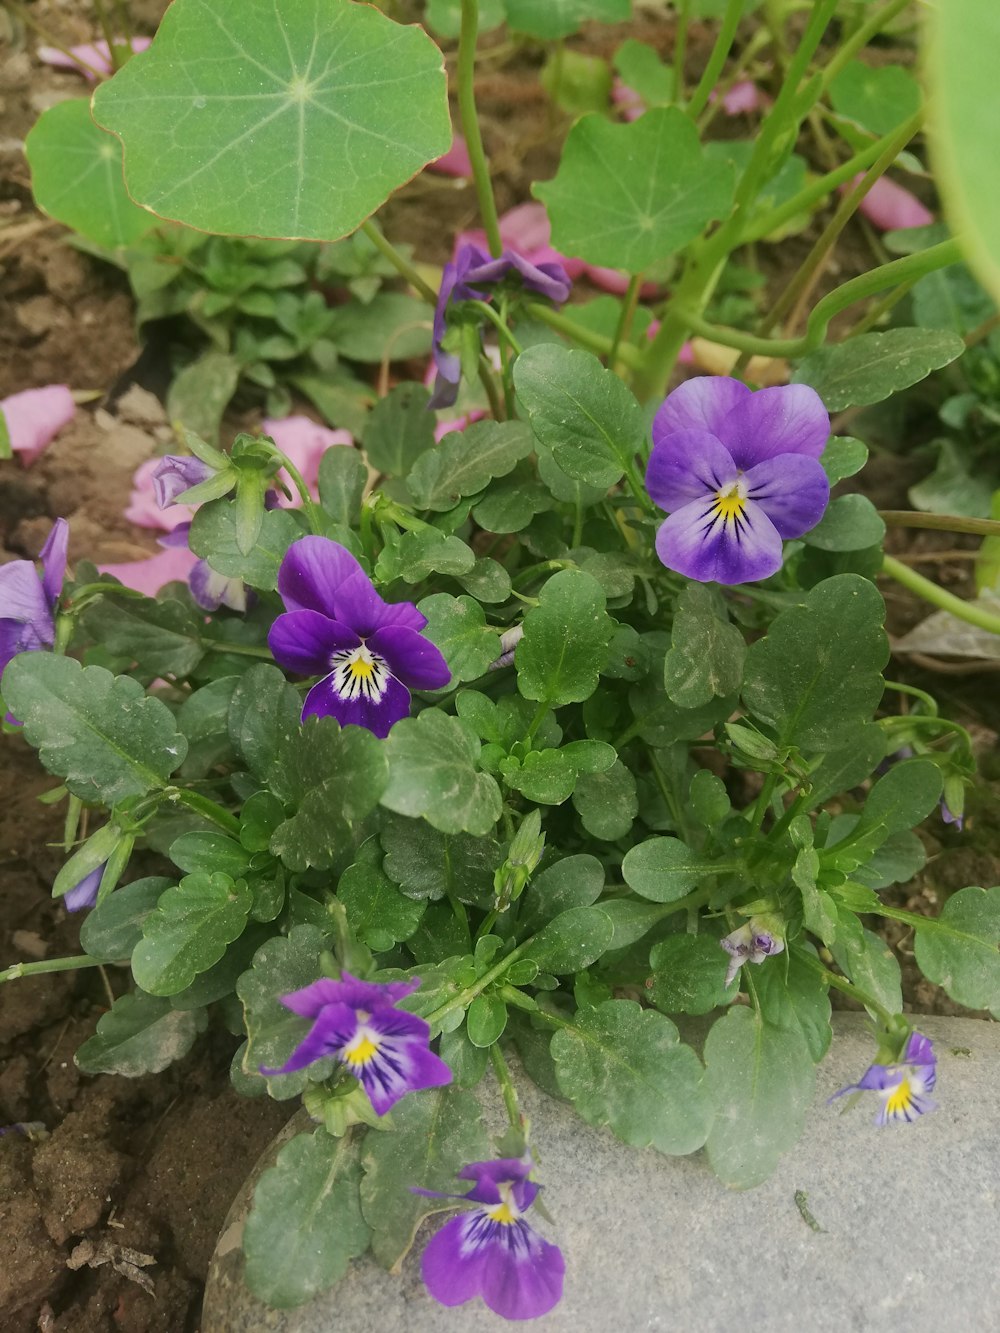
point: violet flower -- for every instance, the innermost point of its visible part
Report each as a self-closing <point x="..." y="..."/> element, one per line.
<point x="903" y="1087"/>
<point x="357" y="1022"/>
<point x="84" y="894"/>
<point x="468" y="278"/>
<point x="370" y="653"/>
<point x="28" y="600"/>
<point x="737" y="471"/>
<point x="175" y="474"/>
<point x="750" y="943"/>
<point x="491" y="1251"/>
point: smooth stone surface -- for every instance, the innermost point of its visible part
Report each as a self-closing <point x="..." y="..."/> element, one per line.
<point x="910" y="1218"/>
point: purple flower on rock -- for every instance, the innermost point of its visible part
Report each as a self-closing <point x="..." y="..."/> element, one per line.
<point x="738" y="473"/>
<point x="491" y="1251"/>
<point x="84" y="894"/>
<point x="28" y="600"/>
<point x="357" y="1022"/>
<point x="370" y="653"/>
<point x="177" y="473"/>
<point x="903" y="1086"/>
<point x="468" y="278"/>
<point x="750" y="943"/>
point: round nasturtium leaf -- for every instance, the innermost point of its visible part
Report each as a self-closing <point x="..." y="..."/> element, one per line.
<point x="293" y="120"/>
<point x="76" y="176"/>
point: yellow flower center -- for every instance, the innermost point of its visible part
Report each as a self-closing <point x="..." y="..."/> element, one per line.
<point x="502" y="1213"/>
<point x="899" y="1098"/>
<point x="730" y="501"/>
<point x="360" y="668"/>
<point x="361" y="1050"/>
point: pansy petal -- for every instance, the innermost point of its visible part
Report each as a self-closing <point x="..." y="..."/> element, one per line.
<point x="524" y="1275"/>
<point x="919" y="1050"/>
<point x="792" y="490"/>
<point x="22" y="596"/>
<point x="414" y="660"/>
<point x="699" y="544"/>
<point x="356" y="603"/>
<point x="84" y="894"/>
<point x="378" y="717"/>
<point x="702" y="403"/>
<point x="305" y="641"/>
<point x="312" y="571"/>
<point x="19" y="636"/>
<point x="688" y="465"/>
<point x="452" y="1265"/>
<point x="786" y="419"/>
<point x="53" y="557"/>
<point x="321" y="1040"/>
<point x="403" y="1066"/>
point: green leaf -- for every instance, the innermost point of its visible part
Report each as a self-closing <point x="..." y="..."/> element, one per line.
<point x="631" y="920"/>
<point x="625" y="1067"/>
<point x="627" y="196"/>
<point x="201" y="850"/>
<point x="961" y="949"/>
<point x="607" y="802"/>
<point x="399" y="429"/>
<point x="760" y="1079"/>
<point x="467" y="1062"/>
<point x="415" y="555"/>
<point x="819" y="669"/>
<point x="793" y="996"/>
<point x="706" y="654"/>
<point x="264" y="727"/>
<point x="873" y="366"/>
<point x="213" y="536"/>
<point x="689" y="974"/>
<point x="379" y="915"/>
<point x="581" y="412"/>
<point x="851" y="523"/>
<point x="665" y="869"/>
<point x="550" y="19"/>
<point x="565" y="640"/>
<point x="545" y="776"/>
<point x="140" y="1034"/>
<point x="189" y="930"/>
<point x="868" y="961"/>
<point x="511" y="504"/>
<point x="877" y="97"/>
<point x="342" y="774"/>
<point x="434" y="1134"/>
<point x="342" y="480"/>
<point x="432" y="774"/>
<point x="426" y="863"/>
<point x="203" y="717"/>
<point x="642" y="69"/>
<point x="76" y="176"/>
<point x="575" y="881"/>
<point x="458" y="626"/>
<point x="466" y="461"/>
<point x="445" y="16"/>
<point x="898" y="801"/>
<point x="486" y="1020"/>
<point x="112" y="930"/>
<point x="306" y="1224"/>
<point x="99" y="732"/>
<point x="843" y="457"/>
<point x="392" y="326"/>
<point x="487" y="581"/>
<point x="231" y="119"/>
<point x="571" y="941"/>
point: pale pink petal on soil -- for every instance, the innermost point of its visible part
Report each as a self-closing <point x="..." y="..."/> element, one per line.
<point x="455" y="162"/>
<point x="173" y="564"/>
<point x="744" y="97"/>
<point x="305" y="442"/>
<point x="36" y="416"/>
<point x="142" y="507"/>
<point x="95" y="54"/>
<point x="890" y="206"/>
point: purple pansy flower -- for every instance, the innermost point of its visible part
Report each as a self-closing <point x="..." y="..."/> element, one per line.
<point x="750" y="943"/>
<point x="903" y="1087"/>
<point x="491" y="1251"/>
<point x="357" y="1022"/>
<point x="28" y="600"/>
<point x="370" y="653"/>
<point x="468" y="278"/>
<point x="737" y="472"/>
<point x="84" y="894"/>
<point x="177" y="473"/>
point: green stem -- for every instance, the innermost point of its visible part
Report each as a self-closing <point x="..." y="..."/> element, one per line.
<point x="947" y="601"/>
<point x="847" y="987"/>
<point x="399" y="262"/>
<point x="540" y="714"/>
<point x="206" y="807"/>
<point x="595" y="342"/>
<point x="763" y="801"/>
<point x="720" y="52"/>
<point x="470" y="124"/>
<point x="506" y="1085"/>
<point x="465" y="997"/>
<point x="881" y="308"/>
<point x="906" y="518"/>
<point x="499" y="323"/>
<point x="680" y="48"/>
<point x="241" y="649"/>
<point x="299" y="481"/>
<point x="928" y="700"/>
<point x="490" y="388"/>
<point x="625" y="318"/>
<point x="18" y="970"/>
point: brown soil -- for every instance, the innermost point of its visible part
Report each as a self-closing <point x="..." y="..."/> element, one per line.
<point x="152" y="1164"/>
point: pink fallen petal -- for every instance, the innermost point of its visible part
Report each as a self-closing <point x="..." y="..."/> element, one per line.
<point x="36" y="416"/>
<point x="444" y="428"/>
<point x="686" y="355"/>
<point x="171" y="565"/>
<point x="455" y="162"/>
<point x="142" y="507"/>
<point x="891" y="207"/>
<point x="305" y="442"/>
<point x="627" y="100"/>
<point x="95" y="54"/>
<point x="743" y="98"/>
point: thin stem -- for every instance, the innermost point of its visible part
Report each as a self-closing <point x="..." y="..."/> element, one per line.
<point x="627" y="353"/>
<point x="947" y="601"/>
<point x="928" y="700"/>
<point x="490" y="388"/>
<point x="624" y="325"/>
<point x="241" y="649"/>
<point x="506" y="1085"/>
<point x="18" y="970"/>
<point x="720" y="53"/>
<point x="680" y="48"/>
<point x="207" y="808"/>
<point x="499" y="323"/>
<point x="763" y="801"/>
<point x="465" y="997"/>
<point x="905" y="518"/>
<point x="470" y="124"/>
<point x="847" y="987"/>
<point x="881" y="308"/>
<point x="399" y="262"/>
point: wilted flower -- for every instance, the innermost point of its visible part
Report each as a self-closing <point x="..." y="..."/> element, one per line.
<point x="750" y="943"/>
<point x="84" y="894"/>
<point x="370" y="653"/>
<point x="34" y="417"/>
<point x="903" y="1087"/>
<point x="175" y="474"/>
<point x="491" y="1251"/>
<point x="357" y="1022"/>
<point x="28" y="600"/>
<point x="737" y="471"/>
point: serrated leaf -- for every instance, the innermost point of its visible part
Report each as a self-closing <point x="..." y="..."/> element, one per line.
<point x="264" y="727"/>
<point x="112" y="930"/>
<point x="189" y="930"/>
<point x="872" y="366"/>
<point x="466" y="461"/>
<point x="565" y="639"/>
<point x="426" y="863"/>
<point x="306" y="1223"/>
<point x="140" y="1034"/>
<point x="607" y="802"/>
<point x="99" y="732"/>
<point x="341" y="484"/>
<point x="706" y="654"/>
<point x="625" y="1067"/>
<point x="960" y="951"/>
<point x="214" y="536"/>
<point x="270" y="96"/>
<point x="544" y="776"/>
<point x="415" y="555"/>
<point x="379" y="915"/>
<point x="457" y="625"/>
<point x="627" y="196"/>
<point x="432" y="775"/>
<point x="203" y="717"/>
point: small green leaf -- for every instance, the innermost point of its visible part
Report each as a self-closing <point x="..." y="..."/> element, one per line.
<point x="607" y="802"/>
<point x="458" y="626"/>
<point x="140" y="1034"/>
<point x="545" y="776"/>
<point x="571" y="941"/>
<point x="306" y="1224"/>
<point x="342" y="481"/>
<point x="199" y="393"/>
<point x="706" y="654"/>
<point x="432" y="774"/>
<point x="486" y="1020"/>
<point x="189" y="930"/>
<point x="415" y="555"/>
<point x="642" y="69"/>
<point x="960" y="951"/>
<point x="689" y="974"/>
<point x="379" y="915"/>
<point x="264" y="727"/>
<point x="399" y="429"/>
<point x="575" y="881"/>
<point x="625" y="1067"/>
<point x="868" y="961"/>
<point x="665" y="869"/>
<point x="565" y="639"/>
<point x="877" y="97"/>
<point x="851" y="523"/>
<point x="873" y="366"/>
<point x="202" y="850"/>
<point x="426" y="863"/>
<point x="843" y="457"/>
<point x="214" y="537"/>
<point x="466" y="461"/>
<point x="112" y="930"/>
<point x="558" y="18"/>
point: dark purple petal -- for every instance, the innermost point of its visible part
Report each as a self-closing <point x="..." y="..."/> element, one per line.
<point x="448" y="379"/>
<point x="177" y="536"/>
<point x="792" y="490"/>
<point x="367" y="995"/>
<point x="177" y="473"/>
<point x="211" y="590"/>
<point x="84" y="894"/>
<point x="403" y="1063"/>
<point x="305" y="641"/>
<point x="549" y="280"/>
<point x="524" y="1274"/>
<point x="490" y="1175"/>
<point x="333" y="1029"/>
<point x="453" y="1270"/>
<point x="412" y="659"/>
<point x="54" y="560"/>
<point x="18" y="637"/>
<point x="688" y="465"/>
<point x="376" y="716"/>
<point x="697" y="542"/>
<point x="787" y="419"/>
<point x="356" y="603"/>
<point x="312" y="571"/>
<point x="702" y="403"/>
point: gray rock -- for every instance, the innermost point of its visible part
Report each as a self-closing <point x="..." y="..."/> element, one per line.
<point x="859" y="1229"/>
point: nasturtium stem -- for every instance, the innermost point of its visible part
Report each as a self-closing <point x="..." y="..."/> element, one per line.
<point x="720" y="52"/>
<point x="401" y="264"/>
<point x="470" y="124"/>
<point x="624" y="325"/>
<point x="207" y="808"/>
<point x="907" y="518"/>
<point x="18" y="970"/>
<point x="947" y="601"/>
<point x="506" y="1085"/>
